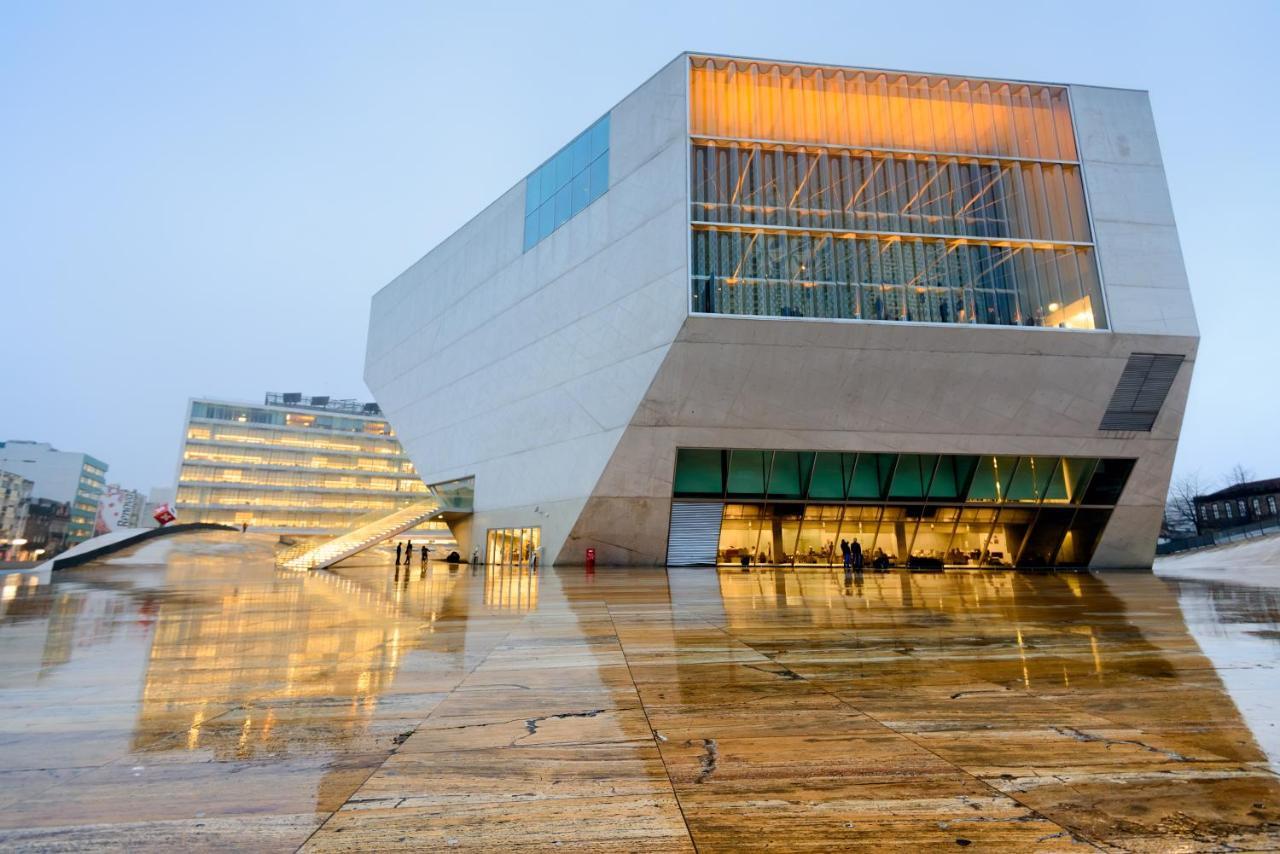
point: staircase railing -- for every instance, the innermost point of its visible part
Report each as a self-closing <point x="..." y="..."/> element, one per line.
<point x="298" y="549"/>
<point x="359" y="538"/>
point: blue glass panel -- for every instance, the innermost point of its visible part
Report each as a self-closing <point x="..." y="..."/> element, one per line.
<point x="599" y="134"/>
<point x="564" y="206"/>
<point x="531" y="198"/>
<point x="546" y="219"/>
<point x="577" y="175"/>
<point x="560" y="163"/>
<point x="581" y="192"/>
<point x="579" y="155"/>
<point x="599" y="176"/>
<point x="530" y="231"/>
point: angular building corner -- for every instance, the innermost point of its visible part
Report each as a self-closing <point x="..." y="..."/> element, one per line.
<point x="759" y="308"/>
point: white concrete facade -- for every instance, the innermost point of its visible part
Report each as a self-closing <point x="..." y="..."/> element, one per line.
<point x="575" y="370"/>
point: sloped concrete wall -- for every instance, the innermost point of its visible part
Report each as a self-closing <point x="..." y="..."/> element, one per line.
<point x="812" y="385"/>
<point x="523" y="368"/>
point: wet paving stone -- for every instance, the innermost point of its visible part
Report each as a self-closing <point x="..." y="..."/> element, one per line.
<point x="188" y="695"/>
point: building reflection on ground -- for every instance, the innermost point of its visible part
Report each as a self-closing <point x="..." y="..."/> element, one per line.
<point x="252" y="692"/>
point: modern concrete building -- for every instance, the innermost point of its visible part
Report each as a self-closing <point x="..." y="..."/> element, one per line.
<point x="297" y="465"/>
<point x="759" y="308"/>
<point x="61" y="476"/>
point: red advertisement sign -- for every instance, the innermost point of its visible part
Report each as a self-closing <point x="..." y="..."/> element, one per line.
<point x="163" y="515"/>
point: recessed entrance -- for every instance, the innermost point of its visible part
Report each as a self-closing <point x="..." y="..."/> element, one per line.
<point x="926" y="511"/>
<point x="512" y="546"/>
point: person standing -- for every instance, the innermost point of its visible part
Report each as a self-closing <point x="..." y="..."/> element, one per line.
<point x="844" y="551"/>
<point x="408" y="552"/>
<point x="397" y="557"/>
<point x="424" y="555"/>
<point x="855" y="551"/>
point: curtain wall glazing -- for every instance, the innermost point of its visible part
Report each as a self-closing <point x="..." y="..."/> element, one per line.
<point x="836" y="193"/>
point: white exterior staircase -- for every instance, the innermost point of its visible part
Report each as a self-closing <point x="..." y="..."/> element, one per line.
<point x="369" y="531"/>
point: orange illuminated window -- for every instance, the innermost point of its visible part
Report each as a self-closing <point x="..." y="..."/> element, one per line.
<point x="881" y="109"/>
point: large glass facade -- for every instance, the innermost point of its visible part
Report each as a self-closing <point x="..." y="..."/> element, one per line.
<point x="512" y="546"/>
<point x="575" y="177"/>
<point x="920" y="510"/>
<point x="837" y="193"/>
<point x="292" y="471"/>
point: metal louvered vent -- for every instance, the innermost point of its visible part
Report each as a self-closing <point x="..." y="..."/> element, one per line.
<point x="1141" y="391"/>
<point x="695" y="534"/>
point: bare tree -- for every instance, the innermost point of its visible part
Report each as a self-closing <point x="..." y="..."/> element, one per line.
<point x="1180" y="505"/>
<point x="1238" y="475"/>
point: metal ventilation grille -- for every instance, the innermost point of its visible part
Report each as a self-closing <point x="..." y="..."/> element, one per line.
<point x="1141" y="392"/>
<point x="695" y="534"/>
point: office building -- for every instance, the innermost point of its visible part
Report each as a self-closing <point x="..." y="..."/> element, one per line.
<point x="295" y="465"/>
<point x="758" y="308"/>
<point x="61" y="476"/>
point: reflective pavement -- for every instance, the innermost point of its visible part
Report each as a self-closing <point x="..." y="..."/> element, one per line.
<point x="189" y="695"/>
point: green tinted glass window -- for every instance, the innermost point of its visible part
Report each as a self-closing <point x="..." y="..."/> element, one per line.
<point x="871" y="476"/>
<point x="747" y="472"/>
<point x="1056" y="491"/>
<point x="1022" y="484"/>
<point x="785" y="481"/>
<point x="828" y="477"/>
<point x="1076" y="472"/>
<point x="991" y="480"/>
<point x="912" y="476"/>
<point x="951" y="479"/>
<point x="888" y="516"/>
<point x="699" y="472"/>
<point x="1042" y="469"/>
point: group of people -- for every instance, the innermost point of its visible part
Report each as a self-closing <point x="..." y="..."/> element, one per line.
<point x="852" y="554"/>
<point x="407" y="549"/>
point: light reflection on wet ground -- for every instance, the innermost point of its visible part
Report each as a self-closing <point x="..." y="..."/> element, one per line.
<point x="190" y="695"/>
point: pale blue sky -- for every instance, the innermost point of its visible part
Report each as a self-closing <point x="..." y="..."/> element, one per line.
<point x="200" y="199"/>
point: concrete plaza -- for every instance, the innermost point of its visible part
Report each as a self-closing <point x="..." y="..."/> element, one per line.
<point x="189" y="695"/>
